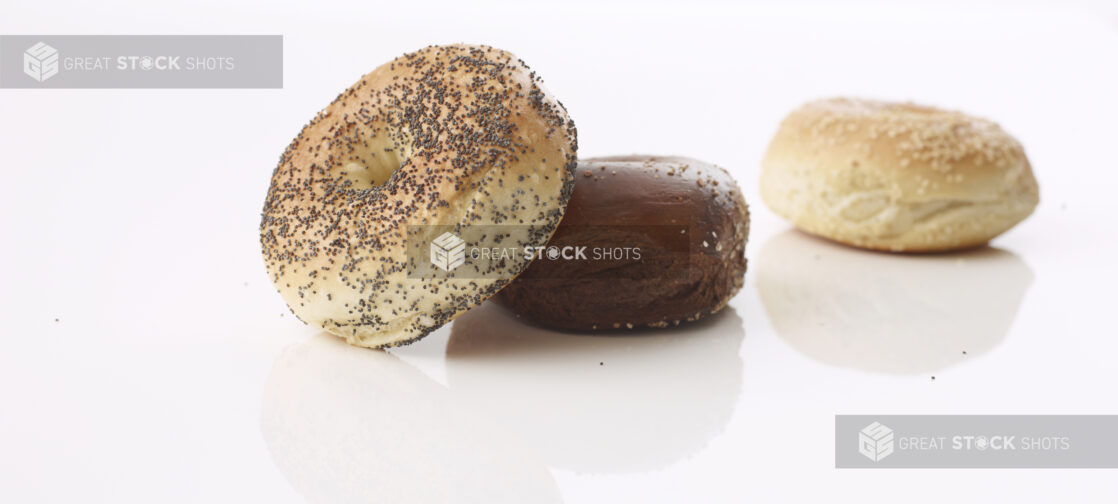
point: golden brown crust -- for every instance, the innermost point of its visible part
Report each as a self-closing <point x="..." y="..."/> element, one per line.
<point x="896" y="177"/>
<point x="448" y="135"/>
<point x="687" y="217"/>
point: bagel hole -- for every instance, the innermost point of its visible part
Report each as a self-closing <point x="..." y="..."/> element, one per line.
<point x="372" y="170"/>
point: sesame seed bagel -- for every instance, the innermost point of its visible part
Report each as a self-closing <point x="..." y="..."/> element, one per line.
<point x="896" y="177"/>
<point x="451" y="136"/>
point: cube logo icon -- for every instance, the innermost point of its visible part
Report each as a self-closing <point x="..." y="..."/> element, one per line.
<point x="40" y="62"/>
<point x="448" y="251"/>
<point x="875" y="441"/>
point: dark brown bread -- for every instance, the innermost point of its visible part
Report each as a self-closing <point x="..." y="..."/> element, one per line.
<point x="687" y="218"/>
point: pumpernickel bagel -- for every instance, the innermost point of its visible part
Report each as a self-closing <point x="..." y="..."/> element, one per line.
<point x="663" y="242"/>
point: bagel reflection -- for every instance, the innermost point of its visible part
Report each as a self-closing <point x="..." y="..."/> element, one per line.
<point x="345" y="424"/>
<point x="600" y="403"/>
<point x="888" y="313"/>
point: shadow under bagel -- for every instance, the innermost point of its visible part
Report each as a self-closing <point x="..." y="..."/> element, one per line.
<point x="600" y="402"/>
<point x="888" y="313"/>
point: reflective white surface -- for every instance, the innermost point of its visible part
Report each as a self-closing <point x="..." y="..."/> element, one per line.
<point x="903" y="314"/>
<point x="146" y="357"/>
<point x="347" y="426"/>
<point x="630" y="403"/>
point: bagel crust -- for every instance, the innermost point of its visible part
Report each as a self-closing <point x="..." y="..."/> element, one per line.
<point x="687" y="217"/>
<point x="896" y="177"/>
<point x="445" y="136"/>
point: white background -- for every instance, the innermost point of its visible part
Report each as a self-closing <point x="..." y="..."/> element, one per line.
<point x="173" y="372"/>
